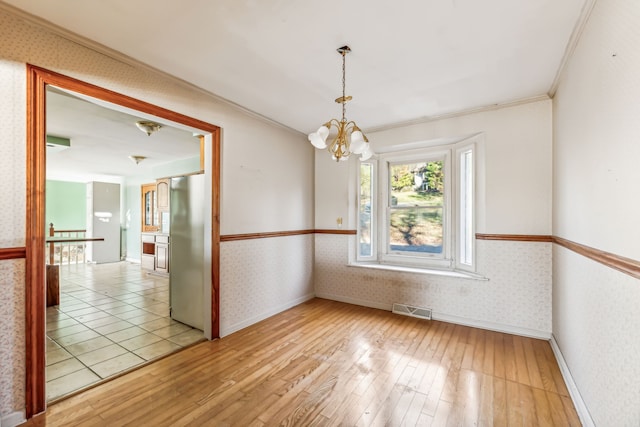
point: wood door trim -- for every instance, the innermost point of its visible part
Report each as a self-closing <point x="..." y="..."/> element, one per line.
<point x="37" y="81"/>
<point x="35" y="293"/>
<point x="13" y="253"/>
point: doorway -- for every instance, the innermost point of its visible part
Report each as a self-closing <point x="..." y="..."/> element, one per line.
<point x="38" y="81"/>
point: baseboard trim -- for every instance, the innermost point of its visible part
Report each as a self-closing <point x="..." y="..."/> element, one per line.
<point x="224" y="331"/>
<point x="12" y="419"/>
<point x="354" y="301"/>
<point x="578" y="402"/>
<point x="491" y="326"/>
<point x="507" y="329"/>
<point x="133" y="260"/>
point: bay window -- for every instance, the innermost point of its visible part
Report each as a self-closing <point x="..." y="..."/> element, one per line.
<point x="416" y="208"/>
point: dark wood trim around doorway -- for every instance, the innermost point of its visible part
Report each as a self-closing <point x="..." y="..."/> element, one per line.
<point x="37" y="81"/>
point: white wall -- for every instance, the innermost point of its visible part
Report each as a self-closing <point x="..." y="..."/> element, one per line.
<point x="596" y="320"/>
<point x="517" y="167"/>
<point x="517" y="180"/>
<point x="267" y="181"/>
<point x="267" y="178"/>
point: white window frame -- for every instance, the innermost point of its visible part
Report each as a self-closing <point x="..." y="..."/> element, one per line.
<point x="452" y="251"/>
<point x="466" y="193"/>
<point x="372" y="213"/>
<point x="385" y="254"/>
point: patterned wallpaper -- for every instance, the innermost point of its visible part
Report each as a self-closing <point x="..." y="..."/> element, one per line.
<point x="12" y="219"/>
<point x="516" y="296"/>
<point x="11" y="335"/>
<point x="597" y="327"/>
<point x="12" y="147"/>
<point x="266" y="276"/>
<point x="596" y="310"/>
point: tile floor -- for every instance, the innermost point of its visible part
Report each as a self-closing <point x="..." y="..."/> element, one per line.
<point x="111" y="318"/>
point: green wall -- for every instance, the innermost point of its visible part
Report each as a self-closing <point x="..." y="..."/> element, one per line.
<point x="66" y="205"/>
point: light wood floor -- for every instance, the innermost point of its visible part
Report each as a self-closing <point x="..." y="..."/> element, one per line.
<point x="329" y="363"/>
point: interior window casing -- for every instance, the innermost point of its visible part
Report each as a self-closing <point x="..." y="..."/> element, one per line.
<point x="459" y="204"/>
<point x="386" y="255"/>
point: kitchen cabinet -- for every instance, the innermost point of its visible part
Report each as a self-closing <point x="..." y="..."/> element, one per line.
<point x="155" y="253"/>
<point x="162" y="254"/>
<point x="148" y="255"/>
<point x="149" y="208"/>
<point x="162" y="193"/>
<point x="155" y="203"/>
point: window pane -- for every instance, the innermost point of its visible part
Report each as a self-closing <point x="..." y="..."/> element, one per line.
<point x="365" y="228"/>
<point x="416" y="207"/>
<point x="466" y="207"/>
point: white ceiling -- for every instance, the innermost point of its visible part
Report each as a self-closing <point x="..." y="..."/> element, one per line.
<point x="102" y="139"/>
<point x="411" y="59"/>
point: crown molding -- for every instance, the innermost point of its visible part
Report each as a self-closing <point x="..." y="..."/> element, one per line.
<point x="578" y="29"/>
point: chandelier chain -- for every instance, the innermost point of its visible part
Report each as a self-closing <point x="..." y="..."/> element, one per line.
<point x="344" y="103"/>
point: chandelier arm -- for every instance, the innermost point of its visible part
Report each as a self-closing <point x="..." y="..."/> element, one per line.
<point x="333" y="143"/>
<point x="334" y="122"/>
<point x="339" y="146"/>
<point x="351" y="125"/>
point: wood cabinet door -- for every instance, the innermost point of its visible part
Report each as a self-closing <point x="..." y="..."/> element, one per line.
<point x="149" y="208"/>
<point x="162" y="257"/>
<point x="162" y="192"/>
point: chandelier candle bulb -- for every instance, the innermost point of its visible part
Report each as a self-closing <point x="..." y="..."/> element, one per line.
<point x="357" y="142"/>
<point x="366" y="154"/>
<point x="319" y="138"/>
<point x="349" y="138"/>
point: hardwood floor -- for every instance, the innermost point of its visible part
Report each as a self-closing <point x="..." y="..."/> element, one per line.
<point x="335" y="364"/>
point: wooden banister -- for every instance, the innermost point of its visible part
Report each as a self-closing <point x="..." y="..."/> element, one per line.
<point x="75" y="235"/>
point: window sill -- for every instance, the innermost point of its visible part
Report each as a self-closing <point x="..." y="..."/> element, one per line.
<point x="429" y="271"/>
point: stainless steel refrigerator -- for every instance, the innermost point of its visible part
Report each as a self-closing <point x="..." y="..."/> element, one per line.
<point x="186" y="254"/>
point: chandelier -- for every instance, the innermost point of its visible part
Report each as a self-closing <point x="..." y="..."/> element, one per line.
<point x="349" y="138"/>
<point x="148" y="127"/>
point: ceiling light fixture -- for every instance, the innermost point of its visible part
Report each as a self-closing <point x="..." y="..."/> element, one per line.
<point x="148" y="127"/>
<point x="349" y="138"/>
<point x="137" y="159"/>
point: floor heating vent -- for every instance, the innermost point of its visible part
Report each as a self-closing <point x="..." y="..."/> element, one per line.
<point x="407" y="310"/>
